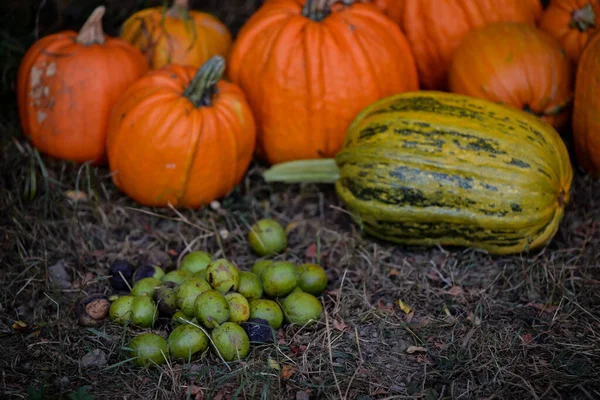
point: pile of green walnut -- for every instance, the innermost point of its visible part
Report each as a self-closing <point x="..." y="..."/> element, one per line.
<point x="212" y="301"/>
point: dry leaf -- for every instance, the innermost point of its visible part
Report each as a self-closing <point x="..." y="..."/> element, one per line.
<point x="410" y="316"/>
<point x="196" y="392"/>
<point x="549" y="308"/>
<point x="404" y="307"/>
<point x="455" y="291"/>
<point x="76" y="195"/>
<point x="526" y="337"/>
<point x="416" y="349"/>
<point x="287" y="372"/>
<point x="20" y="326"/>
<point x="476" y="321"/>
<point x="340" y="326"/>
<point x="311" y="251"/>
<point x="393" y="272"/>
<point x="291" y="226"/>
<point x="274" y="364"/>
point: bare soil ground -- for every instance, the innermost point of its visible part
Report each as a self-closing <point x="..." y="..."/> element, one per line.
<point x="480" y="327"/>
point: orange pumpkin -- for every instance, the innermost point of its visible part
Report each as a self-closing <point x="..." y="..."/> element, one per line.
<point x="180" y="136"/>
<point x="516" y="64"/>
<point x="308" y="69"/>
<point x="571" y="22"/>
<point x="586" y="108"/>
<point x="392" y="8"/>
<point x="67" y="83"/>
<point x="435" y="28"/>
<point x="176" y="35"/>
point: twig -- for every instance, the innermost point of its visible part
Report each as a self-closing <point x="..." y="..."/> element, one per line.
<point x="337" y="384"/>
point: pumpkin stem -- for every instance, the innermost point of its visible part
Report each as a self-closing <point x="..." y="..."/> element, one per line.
<point x="179" y="9"/>
<point x="91" y="32"/>
<point x="583" y="18"/>
<point x="324" y="170"/>
<point x="317" y="10"/>
<point x="200" y="91"/>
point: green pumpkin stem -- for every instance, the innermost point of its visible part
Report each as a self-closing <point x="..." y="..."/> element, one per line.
<point x="179" y="8"/>
<point x="584" y="18"/>
<point x="202" y="87"/>
<point x="91" y="32"/>
<point x="323" y="170"/>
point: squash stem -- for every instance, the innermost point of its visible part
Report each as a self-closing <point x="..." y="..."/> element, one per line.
<point x="91" y="32"/>
<point x="202" y="87"/>
<point x="584" y="18"/>
<point x="323" y="170"/>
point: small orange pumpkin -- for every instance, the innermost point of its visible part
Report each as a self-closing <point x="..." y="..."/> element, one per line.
<point x="572" y="22"/>
<point x="180" y="136"/>
<point x="586" y="108"/>
<point x="516" y="64"/>
<point x="308" y="68"/>
<point x="177" y="35"/>
<point x="67" y="83"/>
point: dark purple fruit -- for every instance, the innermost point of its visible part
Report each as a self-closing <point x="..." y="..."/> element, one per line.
<point x="117" y="268"/>
<point x="147" y="271"/>
<point x="259" y="330"/>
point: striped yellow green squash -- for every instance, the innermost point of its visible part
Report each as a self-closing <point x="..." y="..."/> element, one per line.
<point x="429" y="168"/>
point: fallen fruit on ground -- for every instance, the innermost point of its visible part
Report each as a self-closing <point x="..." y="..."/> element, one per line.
<point x="259" y="330"/>
<point x="239" y="308"/>
<point x="223" y="276"/>
<point x="231" y="341"/>
<point x="279" y="278"/>
<point x="120" y="310"/>
<point x="195" y="261"/>
<point x="148" y="349"/>
<point x="250" y="285"/>
<point x="143" y="311"/>
<point x="268" y="310"/>
<point x="267" y="237"/>
<point x="165" y="297"/>
<point x="187" y="293"/>
<point x="121" y="274"/>
<point x="148" y="271"/>
<point x="92" y="310"/>
<point x="145" y="287"/>
<point x="312" y="278"/>
<point x="258" y="267"/>
<point x="301" y="308"/>
<point x="177" y="276"/>
<point x="211" y="308"/>
<point x="187" y="342"/>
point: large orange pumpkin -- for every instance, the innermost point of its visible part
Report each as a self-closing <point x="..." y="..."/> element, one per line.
<point x="516" y="64"/>
<point x="67" y="83"/>
<point x="180" y="135"/>
<point x="586" y="108"/>
<point x="308" y="69"/>
<point x="435" y="28"/>
<point x="571" y="22"/>
<point x="176" y="35"/>
<point x="392" y="8"/>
